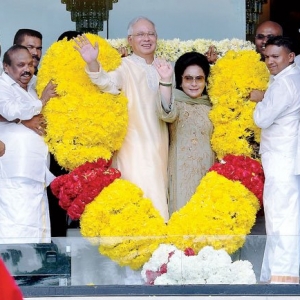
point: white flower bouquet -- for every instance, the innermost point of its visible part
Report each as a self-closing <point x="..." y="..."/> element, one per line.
<point x="170" y="266"/>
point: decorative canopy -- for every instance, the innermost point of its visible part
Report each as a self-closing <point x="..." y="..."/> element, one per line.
<point x="89" y="15"/>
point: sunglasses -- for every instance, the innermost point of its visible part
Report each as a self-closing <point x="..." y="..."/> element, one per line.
<point x="190" y="79"/>
<point x="262" y="36"/>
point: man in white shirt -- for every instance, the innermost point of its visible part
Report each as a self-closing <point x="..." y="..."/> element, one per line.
<point x="264" y="31"/>
<point x="32" y="40"/>
<point x="24" y="174"/>
<point x="147" y="83"/>
<point x="278" y="115"/>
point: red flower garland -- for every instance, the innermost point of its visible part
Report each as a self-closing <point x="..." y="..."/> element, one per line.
<point x="244" y="169"/>
<point x="82" y="185"/>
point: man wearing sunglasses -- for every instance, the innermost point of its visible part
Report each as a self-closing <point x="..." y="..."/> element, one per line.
<point x="264" y="31"/>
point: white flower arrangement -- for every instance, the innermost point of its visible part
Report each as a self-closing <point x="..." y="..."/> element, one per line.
<point x="172" y="49"/>
<point x="170" y="266"/>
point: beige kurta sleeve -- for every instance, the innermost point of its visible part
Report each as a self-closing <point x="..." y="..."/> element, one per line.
<point x="110" y="83"/>
<point x="170" y="116"/>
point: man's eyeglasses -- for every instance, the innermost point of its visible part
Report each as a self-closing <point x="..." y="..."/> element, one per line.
<point x="144" y="34"/>
<point x="262" y="36"/>
<point x="191" y="79"/>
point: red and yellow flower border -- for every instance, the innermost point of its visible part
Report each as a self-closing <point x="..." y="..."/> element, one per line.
<point x="81" y="128"/>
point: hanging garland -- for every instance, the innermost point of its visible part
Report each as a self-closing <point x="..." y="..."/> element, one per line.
<point x="232" y="79"/>
<point x="244" y="169"/>
<point x="129" y="226"/>
<point x="120" y="220"/>
<point x="83" y="124"/>
<point x="78" y="188"/>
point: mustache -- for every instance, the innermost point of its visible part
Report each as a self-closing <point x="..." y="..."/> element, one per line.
<point x="26" y="73"/>
<point x="36" y="57"/>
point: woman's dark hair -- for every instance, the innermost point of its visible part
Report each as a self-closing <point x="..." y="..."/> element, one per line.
<point x="70" y="34"/>
<point x="189" y="59"/>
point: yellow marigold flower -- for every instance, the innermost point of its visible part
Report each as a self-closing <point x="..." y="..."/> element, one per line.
<point x="232" y="111"/>
<point x="83" y="124"/>
<point x="129" y="226"/>
<point x="220" y="214"/>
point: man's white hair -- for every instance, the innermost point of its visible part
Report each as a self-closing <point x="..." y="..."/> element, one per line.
<point x="135" y="20"/>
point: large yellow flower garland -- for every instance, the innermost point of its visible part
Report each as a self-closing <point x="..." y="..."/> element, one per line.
<point x="219" y="214"/>
<point x="231" y="81"/>
<point x="83" y="124"/>
<point x="130" y="228"/>
<point x="128" y="225"/>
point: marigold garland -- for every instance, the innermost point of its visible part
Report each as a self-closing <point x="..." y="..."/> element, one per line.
<point x="126" y="225"/>
<point x="244" y="169"/>
<point x="78" y="188"/>
<point x="219" y="214"/>
<point x="232" y="79"/>
<point x="129" y="226"/>
<point x="73" y="135"/>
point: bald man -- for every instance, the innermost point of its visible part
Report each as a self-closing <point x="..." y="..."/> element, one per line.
<point x="264" y="31"/>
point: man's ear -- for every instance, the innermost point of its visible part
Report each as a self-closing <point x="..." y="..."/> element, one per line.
<point x="292" y="57"/>
<point x="5" y="67"/>
<point x="129" y="39"/>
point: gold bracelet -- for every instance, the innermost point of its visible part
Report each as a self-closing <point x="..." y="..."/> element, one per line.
<point x="165" y="83"/>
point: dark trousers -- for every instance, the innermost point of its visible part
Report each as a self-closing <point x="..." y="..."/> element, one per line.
<point x="58" y="216"/>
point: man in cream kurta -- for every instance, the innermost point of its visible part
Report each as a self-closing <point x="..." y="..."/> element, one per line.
<point x="147" y="83"/>
<point x="278" y="114"/>
<point x="24" y="174"/>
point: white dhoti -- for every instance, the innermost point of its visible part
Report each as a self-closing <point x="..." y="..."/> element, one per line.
<point x="281" y="205"/>
<point x="24" y="214"/>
